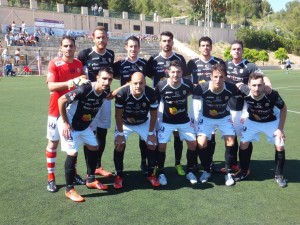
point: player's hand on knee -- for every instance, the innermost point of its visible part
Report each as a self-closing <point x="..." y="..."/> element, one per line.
<point x="152" y="141"/>
<point x="120" y="142"/>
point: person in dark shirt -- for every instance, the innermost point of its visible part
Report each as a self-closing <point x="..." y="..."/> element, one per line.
<point x="173" y="115"/>
<point x="262" y="119"/>
<point x="74" y="126"/>
<point x="200" y="70"/>
<point x="93" y="59"/>
<point x="158" y="67"/>
<point x="214" y="96"/>
<point x="134" y="103"/>
<point x="238" y="71"/>
<point x="123" y="70"/>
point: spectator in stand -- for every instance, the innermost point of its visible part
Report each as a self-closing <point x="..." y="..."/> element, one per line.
<point x="23" y="26"/>
<point x="12" y="40"/>
<point x="6" y="39"/>
<point x="95" y="9"/>
<point x="36" y="36"/>
<point x="17" y="56"/>
<point x="100" y="9"/>
<point x="5" y="56"/>
<point x="13" y="27"/>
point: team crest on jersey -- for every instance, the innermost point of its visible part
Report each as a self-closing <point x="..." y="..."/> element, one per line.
<point x="140" y="68"/>
<point x="267" y="104"/>
<point x="244" y="129"/>
<point x="184" y="92"/>
<point x="144" y="104"/>
<point x="173" y="110"/>
<point x="72" y="71"/>
<point x="226" y="97"/>
<point x="162" y="128"/>
<point x="241" y="70"/>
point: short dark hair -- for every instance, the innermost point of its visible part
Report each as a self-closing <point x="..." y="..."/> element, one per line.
<point x="206" y="39"/>
<point x="175" y="63"/>
<point x="237" y="42"/>
<point x="219" y="67"/>
<point x="106" y="69"/>
<point x="168" y="34"/>
<point x="67" y="37"/>
<point x="132" y="38"/>
<point x="255" y="75"/>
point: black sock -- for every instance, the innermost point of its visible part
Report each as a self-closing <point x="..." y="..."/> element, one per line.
<point x="161" y="158"/>
<point x="70" y="171"/>
<point x="91" y="163"/>
<point x="143" y="149"/>
<point x="279" y="160"/>
<point x="245" y="157"/>
<point x="211" y="145"/>
<point x="118" y="160"/>
<point x="229" y="157"/>
<point x="234" y="152"/>
<point x="204" y="158"/>
<point x="101" y="137"/>
<point x="191" y="157"/>
<point x="151" y="156"/>
<point x="178" y="147"/>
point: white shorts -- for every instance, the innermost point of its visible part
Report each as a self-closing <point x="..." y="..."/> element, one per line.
<point x="103" y="117"/>
<point x="77" y="139"/>
<point x="207" y="126"/>
<point x="237" y="122"/>
<point x="185" y="130"/>
<point x="251" y="132"/>
<point x="141" y="130"/>
<point x="17" y="58"/>
<point x="52" y="130"/>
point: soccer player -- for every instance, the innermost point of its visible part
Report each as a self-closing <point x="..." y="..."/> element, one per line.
<point x="173" y="94"/>
<point x="78" y="108"/>
<point x="214" y="96"/>
<point x="200" y="71"/>
<point x="62" y="73"/>
<point x="123" y="70"/>
<point x="262" y="119"/>
<point x="93" y="59"/>
<point x="238" y="71"/>
<point x="158" y="70"/>
<point x="132" y="105"/>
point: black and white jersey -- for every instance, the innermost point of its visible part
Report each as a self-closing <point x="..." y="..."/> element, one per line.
<point x="124" y="69"/>
<point x="215" y="105"/>
<point x="93" y="61"/>
<point x="174" y="100"/>
<point x="158" y="66"/>
<point x="201" y="70"/>
<point x="136" y="109"/>
<point x="236" y="74"/>
<point x="262" y="110"/>
<point x="84" y="103"/>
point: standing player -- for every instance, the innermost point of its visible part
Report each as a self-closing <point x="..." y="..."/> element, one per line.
<point x="60" y="79"/>
<point x="93" y="59"/>
<point x="158" y="70"/>
<point x="238" y="71"/>
<point x="200" y="70"/>
<point x="215" y="95"/>
<point x="262" y="119"/>
<point x="78" y="108"/>
<point x="133" y="104"/>
<point x="124" y="69"/>
<point x="173" y="93"/>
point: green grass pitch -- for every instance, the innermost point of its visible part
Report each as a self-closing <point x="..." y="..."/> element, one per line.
<point x="23" y="176"/>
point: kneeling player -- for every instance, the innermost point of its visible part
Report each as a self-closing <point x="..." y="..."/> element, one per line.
<point x="262" y="119"/>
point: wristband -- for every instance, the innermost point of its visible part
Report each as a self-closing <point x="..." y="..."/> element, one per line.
<point x="150" y="133"/>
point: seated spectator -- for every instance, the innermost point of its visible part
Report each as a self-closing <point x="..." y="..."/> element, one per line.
<point x="27" y="70"/>
<point x="36" y="36"/>
<point x="5" y="55"/>
<point x="9" y="69"/>
<point x="7" y="39"/>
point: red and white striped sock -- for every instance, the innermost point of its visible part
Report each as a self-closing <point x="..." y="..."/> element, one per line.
<point x="51" y="159"/>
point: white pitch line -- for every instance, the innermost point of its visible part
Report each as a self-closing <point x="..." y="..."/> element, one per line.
<point x="293" y="111"/>
<point x="285" y="87"/>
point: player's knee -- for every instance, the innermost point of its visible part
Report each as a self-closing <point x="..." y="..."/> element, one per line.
<point x="192" y="145"/>
<point x="52" y="144"/>
<point x="229" y="141"/>
<point x="279" y="148"/>
<point x="244" y="145"/>
<point x="202" y="142"/>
